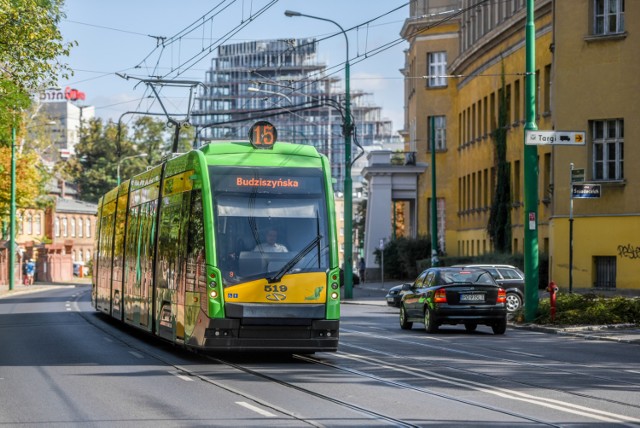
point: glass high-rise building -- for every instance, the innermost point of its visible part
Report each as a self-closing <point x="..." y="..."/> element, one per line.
<point x="282" y="81"/>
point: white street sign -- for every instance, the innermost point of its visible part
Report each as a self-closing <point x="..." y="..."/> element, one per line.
<point x="569" y="138"/>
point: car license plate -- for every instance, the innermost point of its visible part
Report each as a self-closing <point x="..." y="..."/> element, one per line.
<point x="390" y="299"/>
<point x="472" y="297"/>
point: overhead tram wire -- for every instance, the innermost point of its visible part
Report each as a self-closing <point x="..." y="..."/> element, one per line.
<point x="375" y="51"/>
<point x="186" y="65"/>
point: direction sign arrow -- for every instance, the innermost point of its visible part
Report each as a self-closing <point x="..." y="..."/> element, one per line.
<point x="569" y="138"/>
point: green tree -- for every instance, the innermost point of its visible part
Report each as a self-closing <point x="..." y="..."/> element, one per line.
<point x="499" y="225"/>
<point x="31" y="43"/>
<point x="95" y="162"/>
<point x="102" y="146"/>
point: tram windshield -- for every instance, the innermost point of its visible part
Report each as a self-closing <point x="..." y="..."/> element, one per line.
<point x="269" y="222"/>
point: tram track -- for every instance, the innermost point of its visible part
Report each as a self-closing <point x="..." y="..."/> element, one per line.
<point x="541" y="367"/>
<point x="377" y="363"/>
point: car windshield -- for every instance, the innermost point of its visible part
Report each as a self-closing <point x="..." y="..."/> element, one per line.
<point x="467" y="277"/>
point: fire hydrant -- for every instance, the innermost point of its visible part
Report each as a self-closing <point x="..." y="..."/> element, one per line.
<point x="552" y="289"/>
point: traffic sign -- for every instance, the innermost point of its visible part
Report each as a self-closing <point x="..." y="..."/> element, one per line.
<point x="569" y="138"/>
<point x="577" y="175"/>
<point x="585" y="190"/>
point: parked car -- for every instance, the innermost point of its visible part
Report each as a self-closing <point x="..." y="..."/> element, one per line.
<point x="508" y="277"/>
<point x="455" y="295"/>
<point x="394" y="296"/>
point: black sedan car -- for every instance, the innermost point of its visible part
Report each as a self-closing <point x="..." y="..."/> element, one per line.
<point x="450" y="295"/>
<point x="508" y="277"/>
<point x="394" y="296"/>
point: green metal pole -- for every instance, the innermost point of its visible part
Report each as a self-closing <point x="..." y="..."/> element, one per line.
<point x="434" y="201"/>
<point x="12" y="213"/>
<point x="348" y="184"/>
<point x="530" y="175"/>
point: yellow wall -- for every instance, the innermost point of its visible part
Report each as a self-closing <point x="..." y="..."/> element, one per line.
<point x="596" y="78"/>
<point x="615" y="237"/>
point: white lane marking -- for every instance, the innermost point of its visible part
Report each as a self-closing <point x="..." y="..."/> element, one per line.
<point x="181" y="376"/>
<point x="507" y="393"/>
<point x="135" y="354"/>
<point x="255" y="409"/>
<point x="524" y="353"/>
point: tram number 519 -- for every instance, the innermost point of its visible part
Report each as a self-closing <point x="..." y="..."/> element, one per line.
<point x="275" y="288"/>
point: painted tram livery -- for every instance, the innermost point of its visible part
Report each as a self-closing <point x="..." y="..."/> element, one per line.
<point x="183" y="249"/>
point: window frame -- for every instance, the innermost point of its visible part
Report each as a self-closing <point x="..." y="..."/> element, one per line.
<point x="440" y="129"/>
<point x="602" y="17"/>
<point x="437" y="67"/>
<point x="602" y="142"/>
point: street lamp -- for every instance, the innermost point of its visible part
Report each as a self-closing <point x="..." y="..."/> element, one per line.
<point x="141" y="155"/>
<point x="348" y="207"/>
<point x="12" y="212"/>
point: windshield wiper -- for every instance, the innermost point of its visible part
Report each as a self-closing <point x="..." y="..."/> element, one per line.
<point x="291" y="263"/>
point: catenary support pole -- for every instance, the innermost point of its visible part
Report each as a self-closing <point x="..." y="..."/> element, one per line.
<point x="530" y="174"/>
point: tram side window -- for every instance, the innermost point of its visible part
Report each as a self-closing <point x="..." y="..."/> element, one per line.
<point x="196" y="272"/>
<point x="133" y="226"/>
<point x="172" y="241"/>
<point x="118" y="249"/>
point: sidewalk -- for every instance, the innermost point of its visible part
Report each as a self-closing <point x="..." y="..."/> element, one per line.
<point x="20" y="288"/>
<point x="374" y="293"/>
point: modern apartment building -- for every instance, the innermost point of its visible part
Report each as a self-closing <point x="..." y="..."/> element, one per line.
<point x="282" y="81"/>
<point x="464" y="61"/>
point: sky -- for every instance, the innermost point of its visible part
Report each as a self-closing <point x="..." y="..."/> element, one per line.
<point x="119" y="36"/>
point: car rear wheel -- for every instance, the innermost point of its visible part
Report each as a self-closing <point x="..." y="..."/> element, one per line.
<point x="470" y="326"/>
<point x="404" y="324"/>
<point x="430" y="324"/>
<point x="514" y="302"/>
<point x="499" y="327"/>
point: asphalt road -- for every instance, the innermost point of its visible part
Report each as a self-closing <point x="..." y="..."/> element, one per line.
<point x="62" y="364"/>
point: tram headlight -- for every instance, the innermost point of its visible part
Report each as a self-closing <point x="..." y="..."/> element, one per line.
<point x="213" y="294"/>
<point x="334" y="295"/>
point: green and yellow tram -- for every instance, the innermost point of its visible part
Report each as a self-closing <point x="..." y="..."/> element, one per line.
<point x="187" y="250"/>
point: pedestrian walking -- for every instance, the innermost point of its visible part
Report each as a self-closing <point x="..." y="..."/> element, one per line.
<point x="25" y="276"/>
<point x="31" y="271"/>
<point x="361" y="269"/>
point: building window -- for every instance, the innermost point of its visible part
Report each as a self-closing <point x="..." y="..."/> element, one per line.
<point x="73" y="227"/>
<point x="88" y="228"/>
<point x="56" y="227"/>
<point x="80" y="228"/>
<point x="436" y="69"/>
<point x="65" y="229"/>
<point x="608" y="149"/>
<point x="28" y="224"/>
<point x="37" y="225"/>
<point x="440" y="129"/>
<point x="604" y="272"/>
<point x="608" y="17"/>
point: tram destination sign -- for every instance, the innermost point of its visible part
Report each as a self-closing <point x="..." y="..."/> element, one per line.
<point x="568" y="138"/>
<point x="582" y="191"/>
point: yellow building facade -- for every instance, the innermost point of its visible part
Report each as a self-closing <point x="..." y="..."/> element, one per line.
<point x="597" y="81"/>
<point x="462" y="58"/>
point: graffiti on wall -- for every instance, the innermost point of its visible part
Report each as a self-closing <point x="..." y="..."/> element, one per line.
<point x="629" y="251"/>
